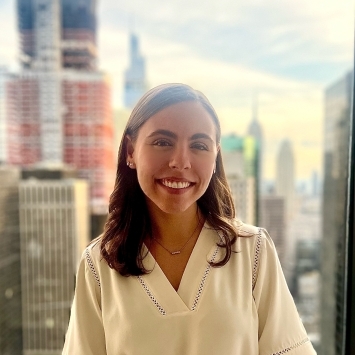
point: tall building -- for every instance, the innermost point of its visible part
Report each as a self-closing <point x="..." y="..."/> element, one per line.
<point x="59" y="107"/>
<point x="89" y="134"/>
<point x="255" y="130"/>
<point x="135" y="81"/>
<point x="273" y="219"/>
<point x="54" y="230"/>
<point x="4" y="75"/>
<point x="240" y="163"/>
<point x="305" y="225"/>
<point x="79" y="49"/>
<point x="285" y="176"/>
<point x="83" y="138"/>
<point x="338" y="98"/>
<point x="64" y="27"/>
<point x="10" y="267"/>
<point x="307" y="279"/>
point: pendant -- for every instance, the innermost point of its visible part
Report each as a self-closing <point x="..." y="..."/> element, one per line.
<point x="175" y="252"/>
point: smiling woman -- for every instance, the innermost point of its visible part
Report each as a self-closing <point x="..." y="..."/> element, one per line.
<point x="175" y="272"/>
<point x="174" y="155"/>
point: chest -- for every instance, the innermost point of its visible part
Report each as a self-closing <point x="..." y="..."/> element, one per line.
<point x="172" y="266"/>
<point x="210" y="306"/>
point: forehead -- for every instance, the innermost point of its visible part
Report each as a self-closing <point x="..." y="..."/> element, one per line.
<point x="184" y="117"/>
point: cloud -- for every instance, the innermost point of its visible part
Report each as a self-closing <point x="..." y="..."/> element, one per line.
<point x="288" y="51"/>
<point x="309" y="40"/>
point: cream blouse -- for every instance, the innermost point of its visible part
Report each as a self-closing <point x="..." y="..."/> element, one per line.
<point x="242" y="308"/>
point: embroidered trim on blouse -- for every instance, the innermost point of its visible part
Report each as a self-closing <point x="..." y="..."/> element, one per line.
<point x="151" y="296"/>
<point x="92" y="267"/>
<point x="256" y="258"/>
<point x="292" y="347"/>
<point x="203" y="281"/>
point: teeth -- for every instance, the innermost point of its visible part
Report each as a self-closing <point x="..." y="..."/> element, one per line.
<point x="176" y="184"/>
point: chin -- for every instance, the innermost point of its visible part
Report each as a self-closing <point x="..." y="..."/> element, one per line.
<point x="171" y="208"/>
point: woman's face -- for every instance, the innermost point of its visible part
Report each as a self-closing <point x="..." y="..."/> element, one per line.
<point x="175" y="154"/>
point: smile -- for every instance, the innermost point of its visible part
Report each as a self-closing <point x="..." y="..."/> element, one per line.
<point x="176" y="184"/>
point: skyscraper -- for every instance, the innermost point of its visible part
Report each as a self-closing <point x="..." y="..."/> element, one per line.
<point x="135" y="82"/>
<point x="240" y="163"/>
<point x="338" y="98"/>
<point x="30" y="138"/>
<point x="68" y="26"/>
<point x="10" y="268"/>
<point x="273" y="219"/>
<point x="79" y="49"/>
<point x="4" y="75"/>
<point x="88" y="133"/>
<point x="285" y="176"/>
<point x="59" y="107"/>
<point x="255" y="130"/>
<point x="54" y="231"/>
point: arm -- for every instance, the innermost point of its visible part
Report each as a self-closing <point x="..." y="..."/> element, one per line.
<point x="280" y="327"/>
<point x="85" y="335"/>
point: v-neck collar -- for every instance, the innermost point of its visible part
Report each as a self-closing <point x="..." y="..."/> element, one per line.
<point x="193" y="279"/>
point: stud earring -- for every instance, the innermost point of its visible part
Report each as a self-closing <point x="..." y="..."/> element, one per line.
<point x="214" y="171"/>
<point x="130" y="164"/>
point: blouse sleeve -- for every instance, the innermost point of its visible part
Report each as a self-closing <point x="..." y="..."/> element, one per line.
<point x="85" y="335"/>
<point x="280" y="328"/>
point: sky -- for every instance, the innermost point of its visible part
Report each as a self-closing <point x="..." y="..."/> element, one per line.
<point x="287" y="52"/>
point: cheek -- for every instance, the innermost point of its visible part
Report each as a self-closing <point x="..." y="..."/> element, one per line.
<point x="148" y="167"/>
<point x="205" y="165"/>
<point x="205" y="173"/>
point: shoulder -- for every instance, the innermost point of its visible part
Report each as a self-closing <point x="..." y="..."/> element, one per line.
<point x="253" y="242"/>
<point x="247" y="233"/>
<point x="93" y="259"/>
<point x="92" y="251"/>
<point x="246" y="230"/>
<point x="255" y="239"/>
<point x="251" y="234"/>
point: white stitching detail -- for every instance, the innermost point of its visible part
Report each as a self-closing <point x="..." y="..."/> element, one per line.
<point x="203" y="281"/>
<point x="92" y="267"/>
<point x="151" y="296"/>
<point x="256" y="258"/>
<point x="292" y="347"/>
<point x="198" y="294"/>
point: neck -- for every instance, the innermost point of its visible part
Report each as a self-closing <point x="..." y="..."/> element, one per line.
<point x="175" y="229"/>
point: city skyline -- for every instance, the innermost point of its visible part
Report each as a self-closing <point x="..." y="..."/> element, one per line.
<point x="57" y="107"/>
<point x="290" y="58"/>
<point x="294" y="111"/>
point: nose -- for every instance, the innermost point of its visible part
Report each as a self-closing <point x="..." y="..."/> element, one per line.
<point x="180" y="159"/>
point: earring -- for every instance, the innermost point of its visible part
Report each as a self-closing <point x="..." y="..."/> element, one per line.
<point x="214" y="171"/>
<point x="130" y="164"/>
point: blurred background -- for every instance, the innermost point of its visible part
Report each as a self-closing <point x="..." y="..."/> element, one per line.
<point x="280" y="76"/>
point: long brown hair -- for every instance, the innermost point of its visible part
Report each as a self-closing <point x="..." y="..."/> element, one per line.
<point x="128" y="221"/>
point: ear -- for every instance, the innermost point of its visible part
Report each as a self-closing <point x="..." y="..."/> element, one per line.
<point x="129" y="148"/>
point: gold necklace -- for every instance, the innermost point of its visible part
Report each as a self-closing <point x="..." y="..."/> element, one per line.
<point x="177" y="252"/>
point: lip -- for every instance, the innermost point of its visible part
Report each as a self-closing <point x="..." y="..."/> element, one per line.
<point x="175" y="179"/>
<point x="175" y="191"/>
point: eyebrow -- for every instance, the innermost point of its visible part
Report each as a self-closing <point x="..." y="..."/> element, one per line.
<point x="163" y="132"/>
<point x="201" y="136"/>
<point x="170" y="134"/>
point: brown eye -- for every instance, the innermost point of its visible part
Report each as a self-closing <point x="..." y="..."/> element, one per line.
<point x="162" y="143"/>
<point x="199" y="146"/>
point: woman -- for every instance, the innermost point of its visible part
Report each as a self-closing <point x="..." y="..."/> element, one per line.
<point x="174" y="272"/>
